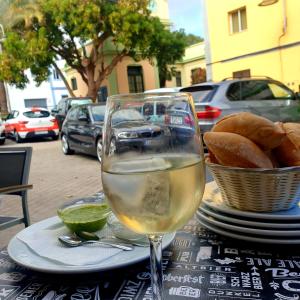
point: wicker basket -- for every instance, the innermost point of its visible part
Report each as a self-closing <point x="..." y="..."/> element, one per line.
<point x="259" y="190"/>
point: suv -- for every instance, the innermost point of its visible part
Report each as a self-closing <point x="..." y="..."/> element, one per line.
<point x="64" y="106"/>
<point x="262" y="96"/>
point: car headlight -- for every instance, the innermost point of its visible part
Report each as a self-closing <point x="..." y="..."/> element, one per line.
<point x="127" y="135"/>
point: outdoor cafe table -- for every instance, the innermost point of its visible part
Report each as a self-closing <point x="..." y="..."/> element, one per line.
<point x="197" y="265"/>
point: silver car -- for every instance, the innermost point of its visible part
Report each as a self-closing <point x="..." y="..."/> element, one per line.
<point x="261" y="96"/>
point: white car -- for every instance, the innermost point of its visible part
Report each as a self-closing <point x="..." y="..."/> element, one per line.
<point x="2" y="133"/>
<point x="30" y="123"/>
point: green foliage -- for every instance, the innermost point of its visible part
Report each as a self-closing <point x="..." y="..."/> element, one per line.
<point x="77" y="31"/>
<point x="192" y="39"/>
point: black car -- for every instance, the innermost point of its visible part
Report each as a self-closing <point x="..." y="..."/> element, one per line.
<point x="132" y="131"/>
<point x="82" y="130"/>
<point x="64" y="105"/>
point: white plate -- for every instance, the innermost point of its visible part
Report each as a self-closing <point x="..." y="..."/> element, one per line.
<point x="212" y="198"/>
<point x="233" y="219"/>
<point x="248" y="237"/>
<point x="251" y="230"/>
<point x="23" y="255"/>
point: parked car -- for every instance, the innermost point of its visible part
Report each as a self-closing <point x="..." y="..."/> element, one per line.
<point x="180" y="121"/>
<point x="262" y="96"/>
<point x="133" y="131"/>
<point x="2" y="133"/>
<point x="82" y="131"/>
<point x="30" y="123"/>
<point x="64" y="105"/>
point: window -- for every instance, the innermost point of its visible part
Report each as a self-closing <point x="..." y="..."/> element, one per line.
<point x="42" y="102"/>
<point x="135" y="79"/>
<point x="98" y="113"/>
<point x="72" y="114"/>
<point x="198" y="75"/>
<point x="36" y="114"/>
<point x="242" y="74"/>
<point x="74" y="83"/>
<point x="82" y="112"/>
<point x="55" y="74"/>
<point x="238" y="20"/>
<point x="258" y="90"/>
<point x="178" y="78"/>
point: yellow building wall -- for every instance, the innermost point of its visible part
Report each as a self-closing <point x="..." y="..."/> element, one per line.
<point x="264" y="34"/>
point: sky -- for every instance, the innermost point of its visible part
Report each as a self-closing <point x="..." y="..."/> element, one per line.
<point x="187" y="14"/>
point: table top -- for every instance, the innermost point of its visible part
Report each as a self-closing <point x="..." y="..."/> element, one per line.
<point x="198" y="264"/>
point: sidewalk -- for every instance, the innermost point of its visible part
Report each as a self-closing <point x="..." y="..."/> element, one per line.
<point x="56" y="179"/>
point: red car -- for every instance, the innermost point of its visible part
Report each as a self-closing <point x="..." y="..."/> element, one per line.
<point x="30" y="123"/>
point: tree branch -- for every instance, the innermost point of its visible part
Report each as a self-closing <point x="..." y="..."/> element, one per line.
<point x="62" y="76"/>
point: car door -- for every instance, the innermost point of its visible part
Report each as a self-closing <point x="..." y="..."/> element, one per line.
<point x="84" y="132"/>
<point x="11" y="121"/>
<point x="70" y="127"/>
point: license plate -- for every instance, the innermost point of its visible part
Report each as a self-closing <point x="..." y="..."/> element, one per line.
<point x="41" y="132"/>
<point x="176" y="120"/>
<point x="152" y="142"/>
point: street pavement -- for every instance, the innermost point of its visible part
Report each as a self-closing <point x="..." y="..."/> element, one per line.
<point x="56" y="179"/>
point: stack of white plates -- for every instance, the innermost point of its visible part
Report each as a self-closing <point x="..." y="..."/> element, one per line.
<point x="281" y="227"/>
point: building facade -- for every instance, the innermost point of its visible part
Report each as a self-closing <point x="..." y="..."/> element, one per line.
<point x="46" y="95"/>
<point x="191" y="69"/>
<point x="253" y="38"/>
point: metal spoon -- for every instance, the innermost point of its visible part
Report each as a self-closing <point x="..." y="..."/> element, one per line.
<point x="72" y="241"/>
<point x="83" y="235"/>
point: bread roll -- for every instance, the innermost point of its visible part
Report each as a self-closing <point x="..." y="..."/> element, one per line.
<point x="231" y="149"/>
<point x="288" y="152"/>
<point x="259" y="130"/>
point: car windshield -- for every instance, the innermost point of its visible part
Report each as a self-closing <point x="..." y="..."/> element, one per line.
<point x="36" y="114"/>
<point x="125" y="115"/>
<point x="98" y="113"/>
<point x="179" y="106"/>
<point x="80" y="102"/>
<point x="201" y="93"/>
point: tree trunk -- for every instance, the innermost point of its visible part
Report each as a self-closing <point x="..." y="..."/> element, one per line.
<point x="92" y="87"/>
<point x="92" y="91"/>
<point x="3" y="100"/>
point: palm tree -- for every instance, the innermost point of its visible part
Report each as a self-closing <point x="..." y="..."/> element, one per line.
<point x="15" y="11"/>
<point x="3" y="99"/>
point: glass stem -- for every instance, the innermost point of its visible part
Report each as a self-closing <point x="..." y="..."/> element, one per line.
<point x="156" y="266"/>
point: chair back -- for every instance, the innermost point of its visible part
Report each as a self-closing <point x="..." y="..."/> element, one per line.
<point x="14" y="166"/>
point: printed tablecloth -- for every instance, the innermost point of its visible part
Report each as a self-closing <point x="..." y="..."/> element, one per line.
<point x="197" y="265"/>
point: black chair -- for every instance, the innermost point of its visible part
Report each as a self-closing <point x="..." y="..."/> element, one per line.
<point x="14" y="173"/>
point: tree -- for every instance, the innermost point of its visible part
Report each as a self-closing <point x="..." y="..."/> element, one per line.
<point x="192" y="39"/>
<point x="81" y="32"/>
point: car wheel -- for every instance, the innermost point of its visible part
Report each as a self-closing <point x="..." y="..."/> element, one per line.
<point x="99" y="148"/>
<point x="17" y="137"/>
<point x="112" y="147"/>
<point x="65" y="145"/>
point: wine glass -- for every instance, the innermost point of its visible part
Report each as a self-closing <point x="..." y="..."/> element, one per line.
<point x="153" y="171"/>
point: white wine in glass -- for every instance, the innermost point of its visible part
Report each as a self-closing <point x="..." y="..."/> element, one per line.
<point x="153" y="170"/>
